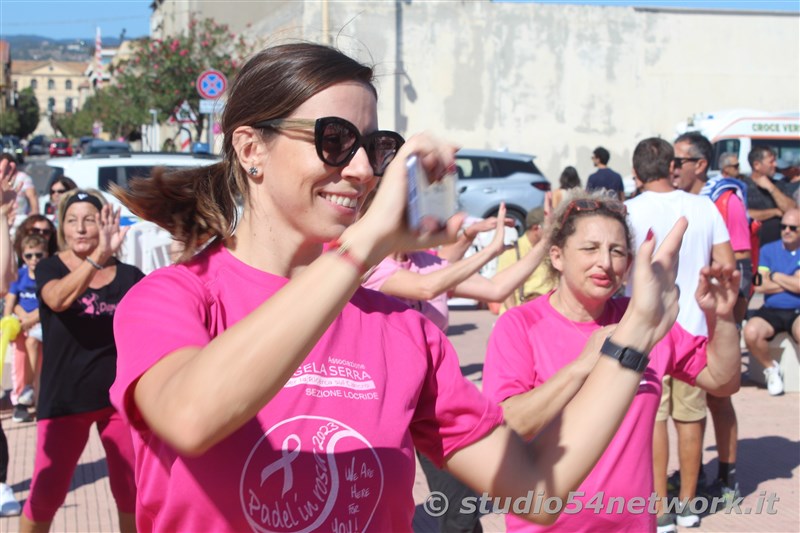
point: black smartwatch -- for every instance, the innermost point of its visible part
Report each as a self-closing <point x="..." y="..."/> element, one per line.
<point x="627" y="357"/>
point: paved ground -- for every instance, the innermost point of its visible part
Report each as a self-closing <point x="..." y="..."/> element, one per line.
<point x="769" y="457"/>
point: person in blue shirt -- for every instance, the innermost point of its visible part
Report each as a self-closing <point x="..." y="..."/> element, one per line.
<point x="21" y="301"/>
<point x="605" y="178"/>
<point x="779" y="266"/>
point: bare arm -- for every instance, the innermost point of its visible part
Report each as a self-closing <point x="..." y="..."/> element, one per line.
<point x="529" y="412"/>
<point x="33" y="200"/>
<point x="564" y="453"/>
<point x="764" y="214"/>
<point x="10" y="302"/>
<point x="8" y="196"/>
<point x="455" y="251"/>
<point x="503" y="284"/>
<point x="716" y="294"/>
<point x="414" y="286"/>
<point x="722" y="255"/>
<point x="783" y="202"/>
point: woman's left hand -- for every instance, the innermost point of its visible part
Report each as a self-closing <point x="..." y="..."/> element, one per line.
<point x="111" y="235"/>
<point x="718" y="289"/>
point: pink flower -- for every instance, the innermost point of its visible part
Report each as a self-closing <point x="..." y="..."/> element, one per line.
<point x="204" y="44"/>
<point x="155" y="66"/>
<point x="175" y="44"/>
<point x="184" y="52"/>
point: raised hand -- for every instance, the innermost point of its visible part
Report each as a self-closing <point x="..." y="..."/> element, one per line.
<point x="8" y="192"/>
<point x="385" y="222"/>
<point x="718" y="289"/>
<point x="654" y="304"/>
<point x="111" y="235"/>
<point x="498" y="244"/>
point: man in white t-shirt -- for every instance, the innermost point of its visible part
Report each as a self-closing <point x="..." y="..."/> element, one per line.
<point x="657" y="208"/>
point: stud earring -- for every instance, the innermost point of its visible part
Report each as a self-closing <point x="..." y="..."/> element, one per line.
<point x="252" y="171"/>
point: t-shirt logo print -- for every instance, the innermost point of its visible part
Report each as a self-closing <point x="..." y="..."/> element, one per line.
<point x="92" y="306"/>
<point x="311" y="473"/>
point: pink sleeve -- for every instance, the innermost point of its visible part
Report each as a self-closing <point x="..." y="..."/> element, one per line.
<point x="509" y="366"/>
<point x="738" y="227"/>
<point x="164" y="312"/>
<point x="451" y="413"/>
<point x="689" y="355"/>
<point x="381" y="273"/>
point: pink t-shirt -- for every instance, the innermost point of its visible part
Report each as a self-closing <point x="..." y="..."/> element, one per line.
<point x="334" y="450"/>
<point x="420" y="262"/>
<point x="530" y="343"/>
<point x="738" y="227"/>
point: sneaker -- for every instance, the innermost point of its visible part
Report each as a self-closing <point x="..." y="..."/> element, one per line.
<point x="774" y="380"/>
<point x="21" y="414"/>
<point x="686" y="518"/>
<point x="26" y="396"/>
<point x="729" y="494"/>
<point x="9" y="506"/>
<point x="666" y="523"/>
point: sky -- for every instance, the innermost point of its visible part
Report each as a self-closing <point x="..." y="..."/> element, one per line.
<point x="68" y="19"/>
<point x="77" y="19"/>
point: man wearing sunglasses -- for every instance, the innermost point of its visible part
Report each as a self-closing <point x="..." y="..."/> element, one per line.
<point x="729" y="165"/>
<point x="729" y="196"/>
<point x="658" y="207"/>
<point x="779" y="265"/>
<point x="767" y="199"/>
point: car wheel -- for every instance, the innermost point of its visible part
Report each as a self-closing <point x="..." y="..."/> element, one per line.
<point x="519" y="219"/>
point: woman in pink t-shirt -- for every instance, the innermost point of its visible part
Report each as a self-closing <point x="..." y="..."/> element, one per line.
<point x="265" y="389"/>
<point x="535" y="366"/>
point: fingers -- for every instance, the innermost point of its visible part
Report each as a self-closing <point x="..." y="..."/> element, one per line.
<point x="671" y="245"/>
<point x="445" y="235"/>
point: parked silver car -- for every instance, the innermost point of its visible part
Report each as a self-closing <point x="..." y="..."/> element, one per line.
<point x="487" y="178"/>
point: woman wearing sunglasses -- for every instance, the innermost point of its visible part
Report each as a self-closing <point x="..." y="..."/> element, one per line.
<point x="267" y="390"/>
<point x="58" y="189"/>
<point x="39" y="225"/>
<point x="536" y="364"/>
<point x="79" y="289"/>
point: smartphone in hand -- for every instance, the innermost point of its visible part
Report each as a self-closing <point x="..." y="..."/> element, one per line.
<point x="429" y="204"/>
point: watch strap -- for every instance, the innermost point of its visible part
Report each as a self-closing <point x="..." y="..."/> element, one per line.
<point x="627" y="357"/>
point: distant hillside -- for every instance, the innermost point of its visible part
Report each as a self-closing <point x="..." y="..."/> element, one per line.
<point x="37" y="48"/>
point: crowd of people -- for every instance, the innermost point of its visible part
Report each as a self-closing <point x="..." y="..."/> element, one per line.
<point x="288" y="370"/>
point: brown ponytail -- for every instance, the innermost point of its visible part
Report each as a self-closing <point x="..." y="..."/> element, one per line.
<point x="200" y="204"/>
<point x="195" y="205"/>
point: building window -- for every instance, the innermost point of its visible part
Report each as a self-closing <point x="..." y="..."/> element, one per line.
<point x="33" y="84"/>
<point x="68" y="105"/>
<point x="51" y="85"/>
<point x="68" y="85"/>
<point x="51" y="104"/>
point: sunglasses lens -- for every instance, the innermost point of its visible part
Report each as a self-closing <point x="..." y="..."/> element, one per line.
<point x="381" y="149"/>
<point x="336" y="142"/>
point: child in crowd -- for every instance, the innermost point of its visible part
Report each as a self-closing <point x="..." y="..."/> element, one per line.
<point x="21" y="300"/>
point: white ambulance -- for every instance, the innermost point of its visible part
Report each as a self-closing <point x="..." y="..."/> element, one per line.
<point x="740" y="130"/>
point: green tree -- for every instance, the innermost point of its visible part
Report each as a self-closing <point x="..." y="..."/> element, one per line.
<point x="116" y="109"/>
<point x="9" y="122"/>
<point x="27" y="112"/>
<point x="161" y="74"/>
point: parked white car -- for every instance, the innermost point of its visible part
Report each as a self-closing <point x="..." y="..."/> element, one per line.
<point x="99" y="171"/>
